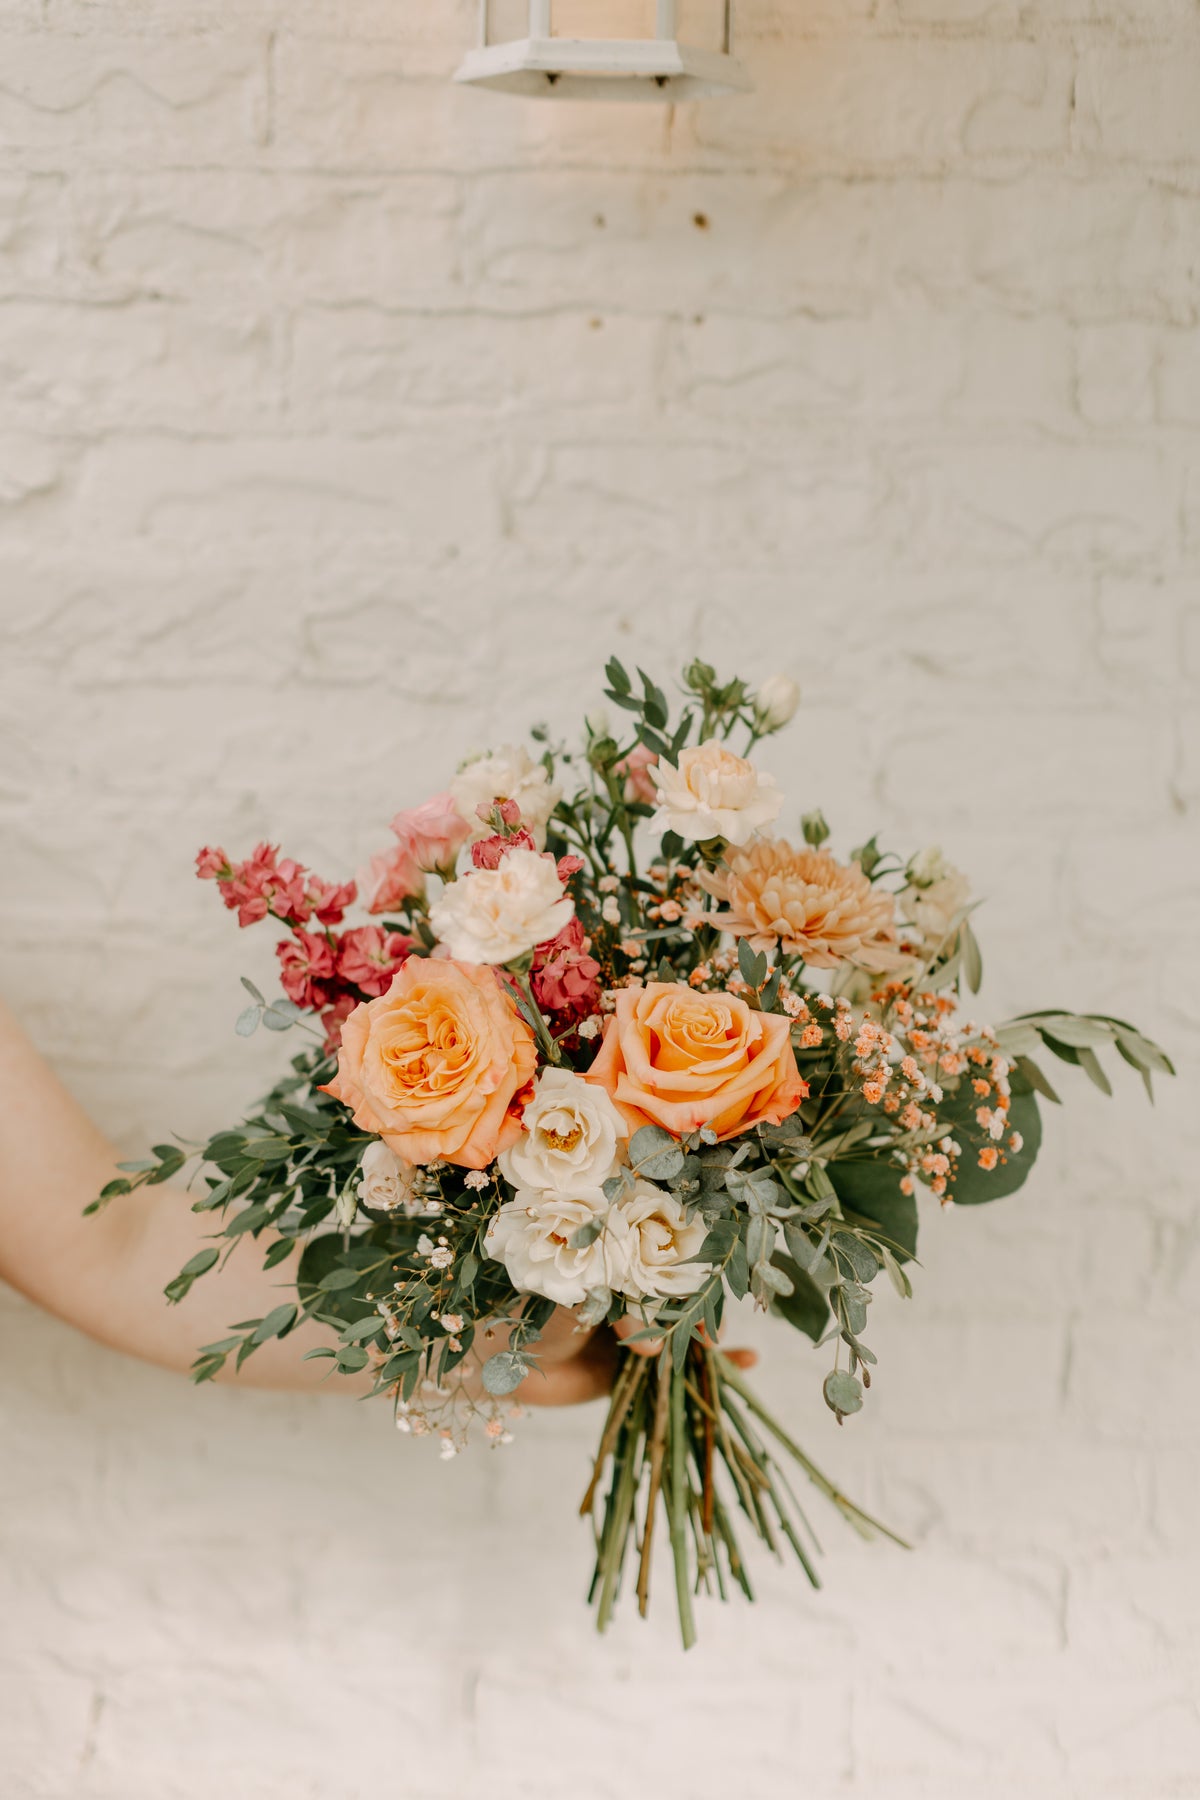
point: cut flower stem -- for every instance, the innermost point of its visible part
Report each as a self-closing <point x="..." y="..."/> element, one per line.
<point x="677" y="1438"/>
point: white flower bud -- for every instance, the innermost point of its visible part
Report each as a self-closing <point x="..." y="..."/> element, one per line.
<point x="775" y="702"/>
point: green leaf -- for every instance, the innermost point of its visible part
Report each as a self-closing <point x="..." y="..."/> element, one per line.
<point x="252" y="990"/>
<point x="1075" y="1029"/>
<point x="278" y="1323"/>
<point x="1090" y="1063"/>
<point x="1032" y="1076"/>
<point x="654" y="1153"/>
<point x="362" y="1329"/>
<point x="246" y="1023"/>
<point x="843" y="1393"/>
<point x="587" y="1234"/>
<point x="200" y="1263"/>
<point x="351" y="1359"/>
<point x="972" y="957"/>
<point x="505" y="1371"/>
<point x="752" y="964"/>
<point x="871" y="1188"/>
<point x="615" y="673"/>
<point x="805" y="1307"/>
<point x="973" y="1185"/>
<point x="860" y="1256"/>
<point x="279" y="1252"/>
<point x="339" y="1279"/>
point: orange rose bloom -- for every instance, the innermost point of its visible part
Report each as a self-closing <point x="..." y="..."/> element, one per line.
<point x="435" y="1064"/>
<point x="681" y="1059"/>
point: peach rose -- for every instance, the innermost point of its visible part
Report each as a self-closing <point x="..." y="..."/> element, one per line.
<point x="681" y="1059"/>
<point x="435" y="1065"/>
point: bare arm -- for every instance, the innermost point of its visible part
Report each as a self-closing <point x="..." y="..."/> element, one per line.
<point x="105" y="1275"/>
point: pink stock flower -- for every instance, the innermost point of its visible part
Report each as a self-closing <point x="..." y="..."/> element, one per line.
<point x="487" y="853"/>
<point x="334" y="1016"/>
<point x="565" y="979"/>
<point x="306" y="968"/>
<point x="329" y="899"/>
<point x="390" y="878"/>
<point x="636" y="767"/>
<point x="368" y="957"/>
<point x="212" y="864"/>
<point x="433" y="833"/>
<point x="569" y="865"/>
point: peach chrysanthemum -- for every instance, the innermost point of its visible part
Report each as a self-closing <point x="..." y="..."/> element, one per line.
<point x="806" y="902"/>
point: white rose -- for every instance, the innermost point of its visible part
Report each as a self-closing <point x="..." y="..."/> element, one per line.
<point x="531" y="1235"/>
<point x="509" y="773"/>
<point x="650" y="1238"/>
<point x="927" y="866"/>
<point x="497" y="915"/>
<point x="775" y="702"/>
<point x="387" y="1183"/>
<point x="713" y="793"/>
<point x="572" y="1137"/>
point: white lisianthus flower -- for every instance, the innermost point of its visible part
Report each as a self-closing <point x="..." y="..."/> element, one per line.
<point x="531" y="1235"/>
<point x="387" y="1183"/>
<point x="497" y="915"/>
<point x="572" y="1138"/>
<point x="508" y="773"/>
<point x="713" y="793"/>
<point x="650" y="1238"/>
<point x="775" y="702"/>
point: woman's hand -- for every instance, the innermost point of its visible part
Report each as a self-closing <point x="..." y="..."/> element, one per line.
<point x="578" y="1364"/>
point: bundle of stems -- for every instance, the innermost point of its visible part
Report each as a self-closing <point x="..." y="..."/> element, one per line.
<point x="696" y="1444"/>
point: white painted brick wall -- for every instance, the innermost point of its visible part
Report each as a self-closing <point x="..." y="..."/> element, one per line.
<point x="346" y="419"/>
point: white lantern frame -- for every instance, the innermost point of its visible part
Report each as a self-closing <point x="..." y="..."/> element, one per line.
<point x="571" y="68"/>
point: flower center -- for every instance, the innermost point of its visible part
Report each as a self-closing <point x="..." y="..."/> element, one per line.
<point x="560" y="1140"/>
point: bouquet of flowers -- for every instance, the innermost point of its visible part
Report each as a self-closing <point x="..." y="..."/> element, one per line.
<point x="609" y="1044"/>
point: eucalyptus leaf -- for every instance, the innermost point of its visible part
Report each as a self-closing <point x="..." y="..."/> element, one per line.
<point x="505" y="1371"/>
<point x="843" y="1393"/>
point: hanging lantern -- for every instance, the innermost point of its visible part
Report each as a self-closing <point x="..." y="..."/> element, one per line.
<point x="550" y="48"/>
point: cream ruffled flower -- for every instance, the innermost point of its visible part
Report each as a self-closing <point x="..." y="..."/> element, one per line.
<point x="649" y="1239"/>
<point x="532" y="1236"/>
<point x="712" y="793"/>
<point x="572" y="1138"/>
<point x="808" y="903"/>
<point x="508" y="773"/>
<point x="497" y="915"/>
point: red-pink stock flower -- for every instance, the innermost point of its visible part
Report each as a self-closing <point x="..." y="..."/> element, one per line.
<point x="565" y="979"/>
<point x="329" y="899"/>
<point x="306" y="968"/>
<point x="368" y="957"/>
<point x="489" y="852"/>
<point x="433" y="833"/>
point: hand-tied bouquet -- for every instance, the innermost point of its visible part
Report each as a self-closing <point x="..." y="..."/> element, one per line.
<point x="624" y="1078"/>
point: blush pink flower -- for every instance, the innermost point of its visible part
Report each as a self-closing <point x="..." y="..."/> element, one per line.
<point x="636" y="767"/>
<point x="433" y="833"/>
<point x="368" y="957"/>
<point x="390" y="878"/>
<point x="306" y="968"/>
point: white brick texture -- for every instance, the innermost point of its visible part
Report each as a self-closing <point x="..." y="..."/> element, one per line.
<point x="347" y="419"/>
